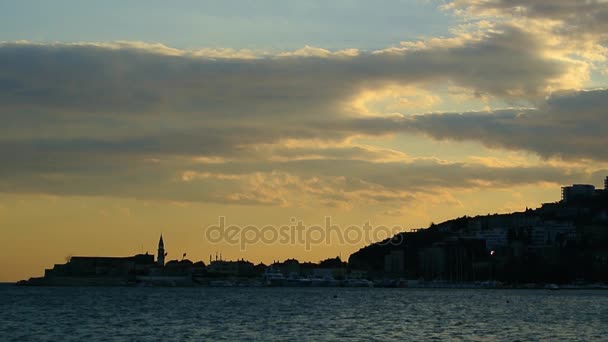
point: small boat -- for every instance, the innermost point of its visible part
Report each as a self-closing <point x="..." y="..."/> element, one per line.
<point x="552" y="287"/>
<point x="273" y="277"/>
<point x="358" y="283"/>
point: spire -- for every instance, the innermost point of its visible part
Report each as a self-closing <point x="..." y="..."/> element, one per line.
<point x="161" y="252"/>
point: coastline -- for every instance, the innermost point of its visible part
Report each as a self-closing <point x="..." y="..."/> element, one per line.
<point x="182" y="282"/>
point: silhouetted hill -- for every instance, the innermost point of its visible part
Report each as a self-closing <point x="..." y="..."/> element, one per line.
<point x="559" y="242"/>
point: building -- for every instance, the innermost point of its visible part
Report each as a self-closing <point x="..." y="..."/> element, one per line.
<point x="240" y="268"/>
<point x="552" y="233"/>
<point x="289" y="267"/>
<point x="495" y="238"/>
<point x="223" y="267"/>
<point x="577" y="191"/>
<point x="161" y="252"/>
<point x="91" y="270"/>
<point x="451" y="260"/>
<point x="120" y="271"/>
<point x="394" y="262"/>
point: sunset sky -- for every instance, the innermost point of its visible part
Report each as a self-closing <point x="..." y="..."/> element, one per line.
<point x="124" y="119"/>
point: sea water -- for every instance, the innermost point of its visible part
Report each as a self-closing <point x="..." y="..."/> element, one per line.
<point x="277" y="314"/>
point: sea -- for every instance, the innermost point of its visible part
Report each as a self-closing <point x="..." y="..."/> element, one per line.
<point x="313" y="314"/>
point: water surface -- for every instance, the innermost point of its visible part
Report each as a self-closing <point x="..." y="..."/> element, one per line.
<point x="194" y="314"/>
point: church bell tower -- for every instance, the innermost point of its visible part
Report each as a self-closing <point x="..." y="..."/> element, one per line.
<point x="161" y="252"/>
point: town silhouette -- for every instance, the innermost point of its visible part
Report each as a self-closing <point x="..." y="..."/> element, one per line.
<point x="561" y="244"/>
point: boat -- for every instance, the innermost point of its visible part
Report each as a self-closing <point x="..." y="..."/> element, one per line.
<point x="294" y="280"/>
<point x="552" y="287"/>
<point x="358" y="283"/>
<point x="273" y="277"/>
<point x="326" y="281"/>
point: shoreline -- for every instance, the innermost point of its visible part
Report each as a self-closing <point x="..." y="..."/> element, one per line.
<point x="231" y="283"/>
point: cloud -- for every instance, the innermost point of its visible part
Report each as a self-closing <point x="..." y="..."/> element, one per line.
<point x="137" y="78"/>
<point x="569" y="125"/>
<point x="133" y="119"/>
<point x="341" y="176"/>
<point x="581" y="27"/>
<point x="266" y="167"/>
<point x="133" y="95"/>
<point x="579" y="16"/>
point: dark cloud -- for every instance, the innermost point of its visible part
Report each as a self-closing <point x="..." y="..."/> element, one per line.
<point x="96" y="79"/>
<point x="570" y="125"/>
<point x="129" y="121"/>
<point x="142" y="97"/>
<point x="267" y="182"/>
<point x="580" y="16"/>
<point x="582" y="23"/>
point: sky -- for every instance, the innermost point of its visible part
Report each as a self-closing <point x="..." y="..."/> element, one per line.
<point x="123" y="120"/>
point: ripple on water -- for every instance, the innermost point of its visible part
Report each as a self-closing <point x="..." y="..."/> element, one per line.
<point x="170" y="314"/>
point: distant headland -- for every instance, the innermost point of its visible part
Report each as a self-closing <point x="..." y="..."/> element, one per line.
<point x="559" y="245"/>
